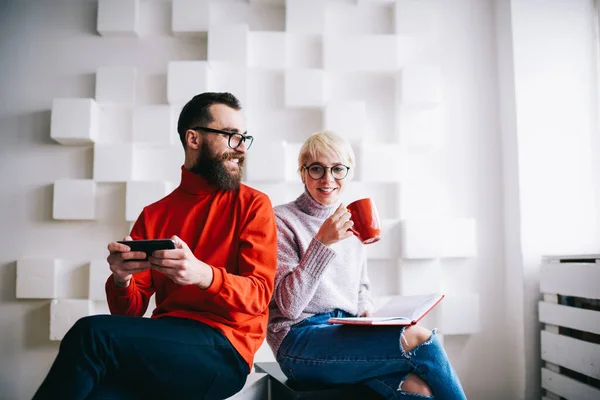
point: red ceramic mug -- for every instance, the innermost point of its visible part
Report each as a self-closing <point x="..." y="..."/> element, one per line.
<point x="367" y="226"/>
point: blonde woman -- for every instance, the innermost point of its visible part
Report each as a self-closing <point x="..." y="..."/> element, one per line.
<point x="322" y="273"/>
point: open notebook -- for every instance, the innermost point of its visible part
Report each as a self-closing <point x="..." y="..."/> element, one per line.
<point x="400" y="310"/>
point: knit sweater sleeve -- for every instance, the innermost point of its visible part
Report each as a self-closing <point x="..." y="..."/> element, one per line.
<point x="297" y="276"/>
<point x="364" y="293"/>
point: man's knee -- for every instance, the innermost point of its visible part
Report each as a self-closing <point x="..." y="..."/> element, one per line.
<point x="414" y="336"/>
<point x="414" y="384"/>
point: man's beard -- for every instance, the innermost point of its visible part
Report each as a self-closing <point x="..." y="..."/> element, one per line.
<point x="213" y="169"/>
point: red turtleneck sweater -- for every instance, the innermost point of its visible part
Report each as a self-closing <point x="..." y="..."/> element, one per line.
<point x="232" y="231"/>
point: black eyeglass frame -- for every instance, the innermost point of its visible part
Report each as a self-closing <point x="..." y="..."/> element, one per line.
<point x="325" y="169"/>
<point x="243" y="139"/>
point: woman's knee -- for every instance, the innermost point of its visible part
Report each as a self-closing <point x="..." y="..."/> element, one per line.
<point x="414" y="384"/>
<point x="414" y="336"/>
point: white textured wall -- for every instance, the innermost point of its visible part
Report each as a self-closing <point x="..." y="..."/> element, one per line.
<point x="447" y="148"/>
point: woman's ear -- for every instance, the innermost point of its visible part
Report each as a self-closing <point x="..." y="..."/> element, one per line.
<point x="192" y="139"/>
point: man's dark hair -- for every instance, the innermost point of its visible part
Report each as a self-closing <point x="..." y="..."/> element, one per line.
<point x="196" y="112"/>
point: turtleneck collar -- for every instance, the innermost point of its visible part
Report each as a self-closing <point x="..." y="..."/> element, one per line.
<point x="311" y="207"/>
<point x="195" y="184"/>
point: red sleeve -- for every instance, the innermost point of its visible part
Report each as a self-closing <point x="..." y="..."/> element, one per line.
<point x="132" y="300"/>
<point x="248" y="292"/>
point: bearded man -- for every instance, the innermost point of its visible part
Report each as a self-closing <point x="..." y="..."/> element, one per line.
<point x="212" y="291"/>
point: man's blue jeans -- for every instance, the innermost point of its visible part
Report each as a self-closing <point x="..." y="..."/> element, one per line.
<point x="314" y="351"/>
<point x="116" y="357"/>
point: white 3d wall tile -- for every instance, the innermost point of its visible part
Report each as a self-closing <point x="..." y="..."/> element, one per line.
<point x="347" y="118"/>
<point x="64" y="313"/>
<point x="190" y="17"/>
<point x="98" y="274"/>
<point x="228" y="43"/>
<point x="257" y="170"/>
<point x="378" y="53"/>
<point x="267" y="50"/>
<point x="36" y="278"/>
<point x="113" y="162"/>
<point x="420" y="277"/>
<point x="118" y="17"/>
<point x="116" y="85"/>
<point x="378" y="162"/>
<point x="305" y="16"/>
<point x="141" y="194"/>
<point x="74" y="121"/>
<point x="389" y="245"/>
<point x="74" y="199"/>
<point x="305" y="88"/>
<point x="185" y="79"/>
<point x="154" y="125"/>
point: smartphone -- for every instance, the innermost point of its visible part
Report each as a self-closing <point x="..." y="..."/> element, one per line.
<point x="149" y="246"/>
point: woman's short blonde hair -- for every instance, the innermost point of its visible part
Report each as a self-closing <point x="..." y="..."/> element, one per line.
<point x="326" y="142"/>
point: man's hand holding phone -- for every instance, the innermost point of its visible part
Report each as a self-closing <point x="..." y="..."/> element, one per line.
<point x="124" y="262"/>
<point x="181" y="265"/>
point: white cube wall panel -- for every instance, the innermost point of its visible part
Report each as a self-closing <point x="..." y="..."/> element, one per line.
<point x="459" y="314"/>
<point x="154" y="125"/>
<point x="115" y="124"/>
<point x="72" y="280"/>
<point x="420" y="277"/>
<point x="379" y="162"/>
<point x="293" y="190"/>
<point x="190" y="17"/>
<point x="420" y="130"/>
<point x="267" y="50"/>
<point x="459" y="238"/>
<point x="389" y="245"/>
<point x="116" y="85"/>
<point x="74" y="199"/>
<point x="385" y="195"/>
<point x="118" y="17"/>
<point x="157" y="163"/>
<point x="421" y="239"/>
<point x="228" y="77"/>
<point x="304" y="88"/>
<point x="348" y="119"/>
<point x="303" y="51"/>
<point x="275" y="191"/>
<point x="291" y="153"/>
<point x="417" y="18"/>
<point x="383" y="278"/>
<point x="305" y="16"/>
<point x="363" y="53"/>
<point x="113" y="162"/>
<point x="74" y="121"/>
<point x="36" y="279"/>
<point x="141" y="194"/>
<point x="419" y="85"/>
<point x="64" y="313"/>
<point x="185" y="79"/>
<point x="98" y="274"/>
<point x="228" y="43"/>
<point x="265" y="161"/>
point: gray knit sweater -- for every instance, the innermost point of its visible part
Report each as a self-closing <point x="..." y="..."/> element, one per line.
<point x="312" y="278"/>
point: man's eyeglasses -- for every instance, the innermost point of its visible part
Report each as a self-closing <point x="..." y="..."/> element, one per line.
<point x="235" y="139"/>
<point x="318" y="171"/>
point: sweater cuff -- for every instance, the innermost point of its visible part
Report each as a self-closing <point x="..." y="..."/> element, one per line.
<point x="317" y="258"/>
<point x="217" y="282"/>
<point x="118" y="292"/>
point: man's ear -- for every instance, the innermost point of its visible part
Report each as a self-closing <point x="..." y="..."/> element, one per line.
<point x="192" y="139"/>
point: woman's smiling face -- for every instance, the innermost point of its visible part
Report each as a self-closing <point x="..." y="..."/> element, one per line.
<point x="326" y="190"/>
